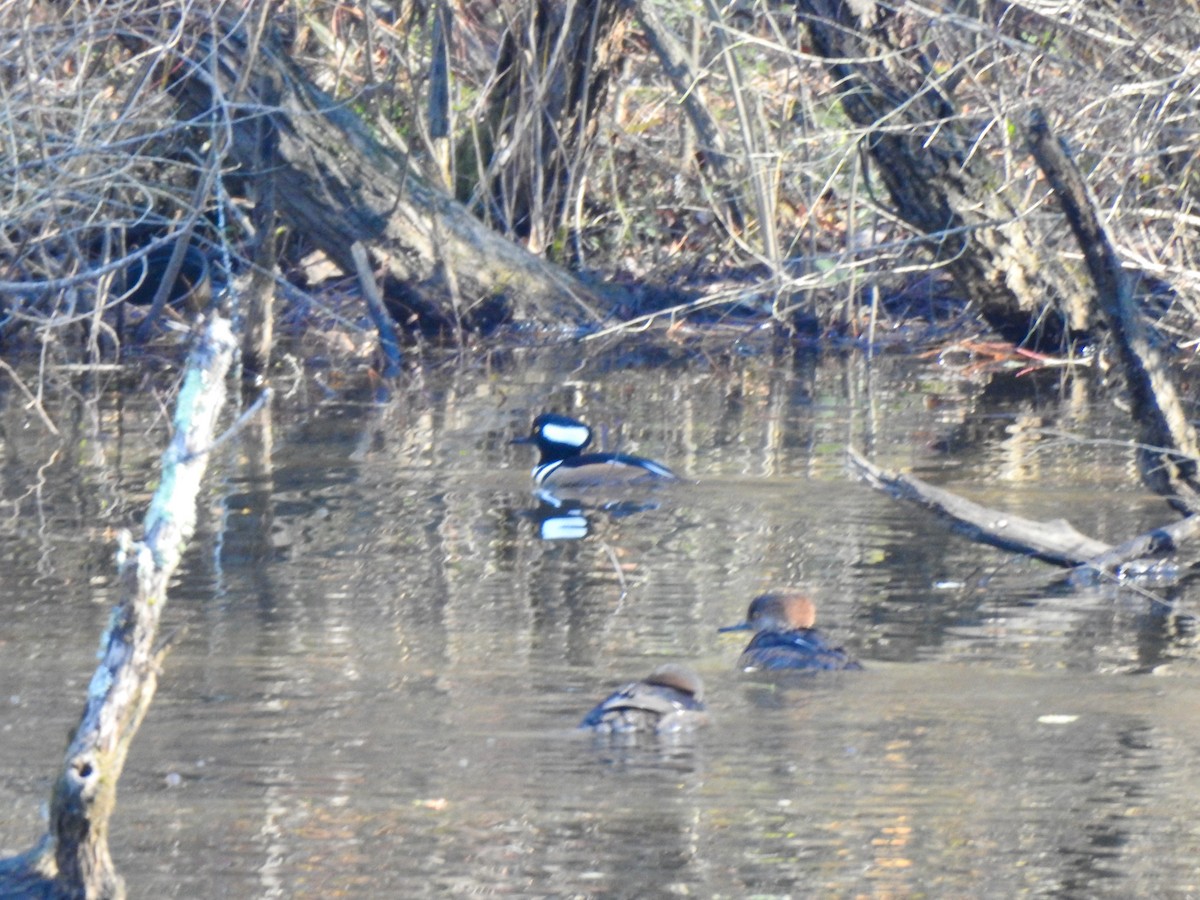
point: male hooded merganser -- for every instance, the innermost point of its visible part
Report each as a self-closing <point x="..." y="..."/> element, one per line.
<point x="786" y="638"/>
<point x="561" y="439"/>
<point x="669" y="699"/>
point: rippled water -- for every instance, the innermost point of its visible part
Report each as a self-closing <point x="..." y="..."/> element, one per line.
<point x="383" y="663"/>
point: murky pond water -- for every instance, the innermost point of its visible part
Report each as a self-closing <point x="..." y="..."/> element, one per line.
<point x="383" y="663"/>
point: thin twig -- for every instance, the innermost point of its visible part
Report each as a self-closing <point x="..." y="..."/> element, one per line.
<point x="34" y="403"/>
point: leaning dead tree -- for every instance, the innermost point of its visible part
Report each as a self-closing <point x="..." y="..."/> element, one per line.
<point x="338" y="185"/>
<point x="939" y="173"/>
<point x="1169" y="451"/>
<point x="72" y="860"/>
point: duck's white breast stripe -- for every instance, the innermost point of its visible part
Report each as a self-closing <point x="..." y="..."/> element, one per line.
<point x="540" y="473"/>
<point x="568" y="435"/>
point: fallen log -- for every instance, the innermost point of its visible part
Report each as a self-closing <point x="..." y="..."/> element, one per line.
<point x="1056" y="542"/>
<point x="1146" y="555"/>
<point x="1168" y="449"/>
<point x="72" y="859"/>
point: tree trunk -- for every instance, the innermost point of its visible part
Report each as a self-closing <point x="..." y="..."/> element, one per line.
<point x="337" y="185"/>
<point x="257" y="296"/>
<point x="552" y="77"/>
<point x="941" y="181"/>
<point x="1168" y="449"/>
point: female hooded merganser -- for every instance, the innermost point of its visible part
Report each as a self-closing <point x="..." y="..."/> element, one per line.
<point x="561" y="439"/>
<point x="669" y="699"/>
<point x="786" y="638"/>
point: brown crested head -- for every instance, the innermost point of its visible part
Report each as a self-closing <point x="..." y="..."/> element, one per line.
<point x="681" y="678"/>
<point x="784" y="610"/>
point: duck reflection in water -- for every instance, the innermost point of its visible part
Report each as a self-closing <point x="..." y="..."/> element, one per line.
<point x="561" y="441"/>
<point x="569" y="518"/>
<point x="559" y="520"/>
<point x="785" y="638"/>
<point x="668" y="700"/>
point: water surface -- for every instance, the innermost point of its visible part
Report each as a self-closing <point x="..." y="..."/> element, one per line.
<point x="383" y="663"/>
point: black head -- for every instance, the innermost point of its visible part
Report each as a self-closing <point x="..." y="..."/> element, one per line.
<point x="557" y="436"/>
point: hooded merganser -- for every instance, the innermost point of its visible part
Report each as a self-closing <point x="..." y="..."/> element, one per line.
<point x="561" y="439"/>
<point x="669" y="699"/>
<point x="786" y="638"/>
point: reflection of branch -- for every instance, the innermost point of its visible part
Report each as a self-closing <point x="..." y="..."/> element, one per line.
<point x="616" y="564"/>
<point x="33" y="401"/>
<point x="238" y="424"/>
<point x="388" y="343"/>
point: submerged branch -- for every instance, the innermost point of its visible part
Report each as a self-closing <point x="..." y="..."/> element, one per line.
<point x="1055" y="542"/>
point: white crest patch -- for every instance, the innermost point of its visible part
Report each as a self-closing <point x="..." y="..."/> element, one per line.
<point x="567" y="435"/>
